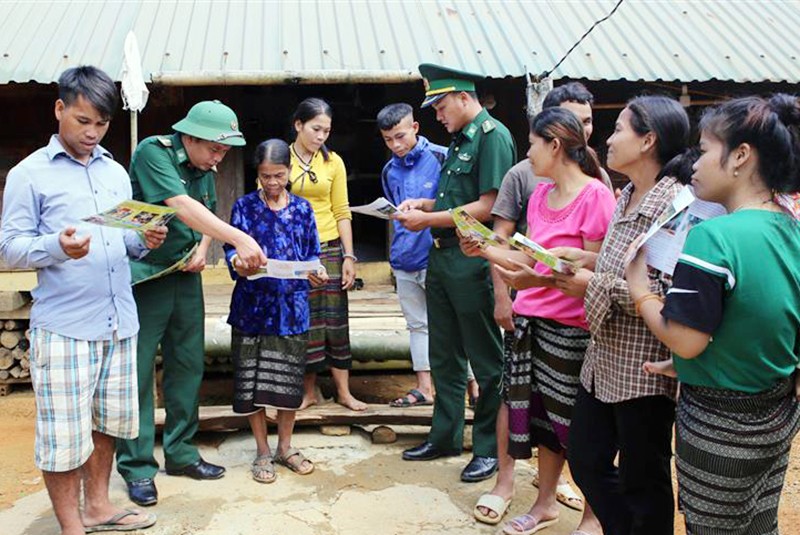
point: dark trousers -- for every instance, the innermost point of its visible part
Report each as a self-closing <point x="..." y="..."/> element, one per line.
<point x="636" y="497"/>
<point x="461" y="327"/>
<point x="171" y="313"/>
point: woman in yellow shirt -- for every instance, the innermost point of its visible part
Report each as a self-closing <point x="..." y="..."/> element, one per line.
<point x="319" y="176"/>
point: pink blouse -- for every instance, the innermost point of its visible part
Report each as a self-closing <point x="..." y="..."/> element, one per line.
<point x="586" y="218"/>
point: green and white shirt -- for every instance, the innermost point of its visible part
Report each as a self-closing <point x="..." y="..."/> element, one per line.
<point x="738" y="279"/>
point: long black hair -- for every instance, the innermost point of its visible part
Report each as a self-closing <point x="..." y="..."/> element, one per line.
<point x="310" y="108"/>
<point x="668" y="121"/>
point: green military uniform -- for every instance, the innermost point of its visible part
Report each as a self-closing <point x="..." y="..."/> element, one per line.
<point x="171" y="311"/>
<point x="459" y="289"/>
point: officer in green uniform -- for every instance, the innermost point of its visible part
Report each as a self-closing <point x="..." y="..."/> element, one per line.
<point x="178" y="171"/>
<point x="459" y="289"/>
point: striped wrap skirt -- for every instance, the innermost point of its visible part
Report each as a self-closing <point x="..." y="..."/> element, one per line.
<point x="268" y="371"/>
<point x="329" y="332"/>
<point x="732" y="451"/>
<point x="541" y="378"/>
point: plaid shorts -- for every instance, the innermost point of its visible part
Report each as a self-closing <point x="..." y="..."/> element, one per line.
<point x="81" y="386"/>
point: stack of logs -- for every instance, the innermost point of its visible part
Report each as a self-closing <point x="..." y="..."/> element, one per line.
<point x="15" y="350"/>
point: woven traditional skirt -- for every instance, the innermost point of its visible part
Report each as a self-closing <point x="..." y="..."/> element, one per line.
<point x="732" y="450"/>
<point x="329" y="334"/>
<point x="542" y="376"/>
<point x="268" y="371"/>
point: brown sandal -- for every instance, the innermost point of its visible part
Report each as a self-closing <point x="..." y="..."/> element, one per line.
<point x="297" y="464"/>
<point x="263" y="464"/>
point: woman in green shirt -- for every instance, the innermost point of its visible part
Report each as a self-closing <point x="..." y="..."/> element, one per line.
<point x="732" y="319"/>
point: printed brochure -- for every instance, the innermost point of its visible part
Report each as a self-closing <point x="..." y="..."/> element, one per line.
<point x="133" y="215"/>
<point x="540" y="254"/>
<point x="469" y="226"/>
<point x="664" y="240"/>
<point x="288" y="269"/>
<point x="380" y="208"/>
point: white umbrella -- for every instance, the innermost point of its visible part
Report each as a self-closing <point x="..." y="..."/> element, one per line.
<point x="134" y="90"/>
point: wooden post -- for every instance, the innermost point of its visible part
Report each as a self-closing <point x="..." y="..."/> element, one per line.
<point x="134" y="131"/>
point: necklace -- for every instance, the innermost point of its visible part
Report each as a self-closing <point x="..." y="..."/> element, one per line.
<point x="300" y="158"/>
<point x="279" y="204"/>
<point x="753" y="204"/>
<point x="306" y="167"/>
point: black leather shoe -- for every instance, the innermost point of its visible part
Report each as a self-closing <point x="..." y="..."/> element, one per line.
<point x="479" y="468"/>
<point x="199" y="470"/>
<point x="426" y="452"/>
<point x="143" y="492"/>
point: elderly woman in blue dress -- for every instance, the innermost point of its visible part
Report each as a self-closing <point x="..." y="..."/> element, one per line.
<point x="269" y="316"/>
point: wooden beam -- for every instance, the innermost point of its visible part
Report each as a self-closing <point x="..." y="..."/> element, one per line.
<point x="219" y="418"/>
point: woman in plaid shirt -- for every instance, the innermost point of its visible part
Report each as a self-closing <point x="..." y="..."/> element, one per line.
<point x="621" y="410"/>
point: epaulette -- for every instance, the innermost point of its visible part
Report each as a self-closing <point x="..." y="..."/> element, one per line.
<point x="166" y="141"/>
<point x="487" y="126"/>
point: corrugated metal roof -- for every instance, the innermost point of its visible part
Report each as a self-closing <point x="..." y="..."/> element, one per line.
<point x="254" y="41"/>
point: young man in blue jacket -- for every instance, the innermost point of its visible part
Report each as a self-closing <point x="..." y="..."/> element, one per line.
<point x="411" y="173"/>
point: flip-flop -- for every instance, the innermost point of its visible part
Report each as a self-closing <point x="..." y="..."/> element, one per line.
<point x="565" y="494"/>
<point x="113" y="523"/>
<point x="419" y="400"/>
<point x="283" y="460"/>
<point x="524" y="521"/>
<point x="494" y="503"/>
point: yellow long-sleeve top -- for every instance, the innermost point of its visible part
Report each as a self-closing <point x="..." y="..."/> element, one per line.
<point x="327" y="195"/>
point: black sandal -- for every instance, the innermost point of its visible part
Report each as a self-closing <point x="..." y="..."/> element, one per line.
<point x="419" y="397"/>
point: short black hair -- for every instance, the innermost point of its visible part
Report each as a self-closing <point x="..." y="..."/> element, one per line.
<point x="92" y="84"/>
<point x="391" y="115"/>
<point x="571" y="92"/>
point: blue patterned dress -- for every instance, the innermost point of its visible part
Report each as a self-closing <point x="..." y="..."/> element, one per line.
<point x="270" y="317"/>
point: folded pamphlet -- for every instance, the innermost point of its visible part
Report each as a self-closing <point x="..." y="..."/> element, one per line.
<point x="663" y="242"/>
<point x="134" y="215"/>
<point x="289" y="269"/>
<point x="380" y="208"/>
<point x="469" y="226"/>
<point x="540" y="254"/>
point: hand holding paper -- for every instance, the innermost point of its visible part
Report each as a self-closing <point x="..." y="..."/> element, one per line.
<point x="469" y="226"/>
<point x="523" y="277"/>
<point x="413" y="220"/>
<point x="579" y="257"/>
<point x="289" y="269"/>
<point x="469" y="245"/>
<point x="154" y="237"/>
<point x="540" y="254"/>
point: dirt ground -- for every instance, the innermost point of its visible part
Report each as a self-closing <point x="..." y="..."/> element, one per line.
<point x="358" y="487"/>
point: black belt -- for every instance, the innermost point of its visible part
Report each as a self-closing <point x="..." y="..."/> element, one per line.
<point x="445" y="243"/>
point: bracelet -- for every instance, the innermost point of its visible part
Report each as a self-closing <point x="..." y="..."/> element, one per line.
<point x="352" y="257"/>
<point x="642" y="300"/>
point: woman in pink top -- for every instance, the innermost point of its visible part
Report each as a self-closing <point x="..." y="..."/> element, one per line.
<point x="551" y="334"/>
